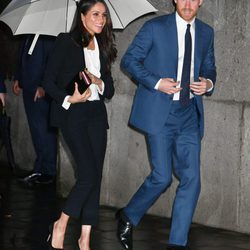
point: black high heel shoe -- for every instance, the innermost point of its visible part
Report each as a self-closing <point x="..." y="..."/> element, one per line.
<point x="49" y="239"/>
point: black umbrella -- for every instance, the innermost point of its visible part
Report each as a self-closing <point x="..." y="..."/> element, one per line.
<point x="5" y="122"/>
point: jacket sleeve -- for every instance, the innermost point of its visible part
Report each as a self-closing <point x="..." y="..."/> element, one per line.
<point x="208" y="68"/>
<point x="52" y="71"/>
<point x="46" y="47"/>
<point x="109" y="89"/>
<point x="17" y="74"/>
<point x="133" y="59"/>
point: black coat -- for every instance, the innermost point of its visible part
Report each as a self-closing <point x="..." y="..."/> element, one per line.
<point x="64" y="62"/>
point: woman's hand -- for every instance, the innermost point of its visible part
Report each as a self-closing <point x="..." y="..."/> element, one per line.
<point x="78" y="97"/>
<point x="94" y="79"/>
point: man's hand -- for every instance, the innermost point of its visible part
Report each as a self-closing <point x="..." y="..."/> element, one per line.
<point x="78" y="97"/>
<point x="40" y="93"/>
<point x="168" y="86"/>
<point x="2" y="98"/>
<point x="200" y="88"/>
<point x="16" y="88"/>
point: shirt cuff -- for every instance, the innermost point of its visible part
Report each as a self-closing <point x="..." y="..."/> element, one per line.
<point x="101" y="91"/>
<point x="157" y="84"/>
<point x="66" y="104"/>
<point x="212" y="85"/>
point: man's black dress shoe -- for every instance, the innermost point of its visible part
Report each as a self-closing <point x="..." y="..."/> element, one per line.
<point x="174" y="247"/>
<point x="124" y="230"/>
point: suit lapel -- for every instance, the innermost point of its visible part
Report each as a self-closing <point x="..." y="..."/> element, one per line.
<point x="101" y="57"/>
<point x="198" y="49"/>
<point x="173" y="40"/>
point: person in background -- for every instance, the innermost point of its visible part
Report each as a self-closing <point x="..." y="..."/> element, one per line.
<point x="2" y="90"/>
<point x="172" y="59"/>
<point x="28" y="80"/>
<point x="8" y="55"/>
<point x="82" y="117"/>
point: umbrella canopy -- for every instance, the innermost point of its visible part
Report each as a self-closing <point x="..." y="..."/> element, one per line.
<point x="50" y="17"/>
<point x="125" y="11"/>
<point x="46" y="17"/>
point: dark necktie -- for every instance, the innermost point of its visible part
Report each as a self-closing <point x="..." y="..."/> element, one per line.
<point x="185" y="77"/>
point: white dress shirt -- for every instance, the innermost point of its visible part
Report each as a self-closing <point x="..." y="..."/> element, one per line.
<point x="92" y="62"/>
<point x="181" y="31"/>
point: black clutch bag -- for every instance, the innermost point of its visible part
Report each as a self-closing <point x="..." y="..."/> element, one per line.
<point x="83" y="81"/>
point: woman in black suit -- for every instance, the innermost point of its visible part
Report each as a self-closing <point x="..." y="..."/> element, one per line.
<point x="82" y="118"/>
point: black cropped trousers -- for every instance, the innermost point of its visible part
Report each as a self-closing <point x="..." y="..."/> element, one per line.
<point x="85" y="133"/>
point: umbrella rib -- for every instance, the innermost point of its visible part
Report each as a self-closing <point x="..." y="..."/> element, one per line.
<point x="19" y="23"/>
<point x="116" y="13"/>
<point x="67" y="12"/>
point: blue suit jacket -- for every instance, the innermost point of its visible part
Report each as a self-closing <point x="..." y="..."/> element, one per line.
<point x="31" y="68"/>
<point x="153" y="55"/>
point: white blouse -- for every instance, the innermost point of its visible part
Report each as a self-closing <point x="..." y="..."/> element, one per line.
<point x="92" y="62"/>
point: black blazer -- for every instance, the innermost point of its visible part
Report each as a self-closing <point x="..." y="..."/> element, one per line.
<point x="64" y="62"/>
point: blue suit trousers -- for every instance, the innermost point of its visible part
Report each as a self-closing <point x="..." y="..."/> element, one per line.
<point x="44" y="137"/>
<point x="174" y="150"/>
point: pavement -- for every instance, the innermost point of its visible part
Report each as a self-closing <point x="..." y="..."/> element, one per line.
<point x="26" y="212"/>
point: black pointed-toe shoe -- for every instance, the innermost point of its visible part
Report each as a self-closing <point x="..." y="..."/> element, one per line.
<point x="124" y="230"/>
<point x="49" y="240"/>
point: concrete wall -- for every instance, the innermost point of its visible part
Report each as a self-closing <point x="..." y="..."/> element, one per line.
<point x="225" y="199"/>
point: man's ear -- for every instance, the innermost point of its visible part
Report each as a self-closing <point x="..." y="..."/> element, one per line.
<point x="201" y="2"/>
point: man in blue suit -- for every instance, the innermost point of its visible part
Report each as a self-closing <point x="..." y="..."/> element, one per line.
<point x="28" y="78"/>
<point x="172" y="59"/>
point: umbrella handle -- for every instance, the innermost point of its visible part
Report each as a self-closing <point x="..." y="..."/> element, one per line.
<point x="33" y="44"/>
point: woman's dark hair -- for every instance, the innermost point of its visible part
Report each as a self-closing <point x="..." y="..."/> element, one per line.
<point x="174" y="4"/>
<point x="106" y="38"/>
